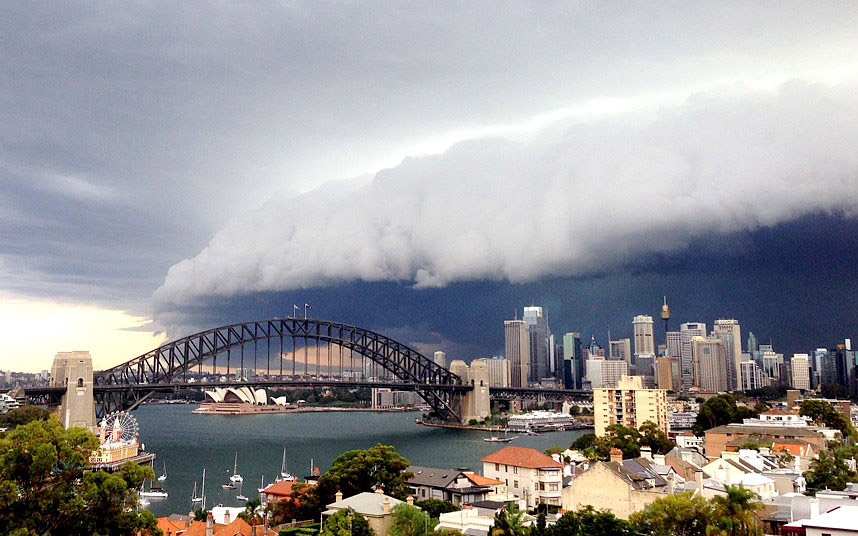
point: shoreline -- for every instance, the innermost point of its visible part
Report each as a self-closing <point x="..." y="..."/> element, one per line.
<point x="493" y="428"/>
<point x="250" y="409"/>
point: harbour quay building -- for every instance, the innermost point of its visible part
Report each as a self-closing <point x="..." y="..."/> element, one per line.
<point x="540" y="421"/>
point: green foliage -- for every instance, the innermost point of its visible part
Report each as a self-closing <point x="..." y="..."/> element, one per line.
<point x="554" y="450"/>
<point x="750" y="445"/>
<point x="410" y="521"/>
<point x="346" y="522"/>
<point x="445" y="532"/>
<point x="357" y="471"/>
<point x="736" y="514"/>
<point x="251" y="513"/>
<point x="655" y="439"/>
<point x="829" y="471"/>
<point x="835" y="391"/>
<point x="584" y="442"/>
<point x="824" y="413"/>
<point x="769" y="392"/>
<point x="44" y="486"/>
<point x="302" y="504"/>
<point x="718" y="411"/>
<point x="574" y="410"/>
<point x="587" y="521"/>
<point x="23" y="415"/>
<point x="509" y="521"/>
<point x="473" y="422"/>
<point x="200" y="514"/>
<point x="684" y="514"/>
<point x="435" y="507"/>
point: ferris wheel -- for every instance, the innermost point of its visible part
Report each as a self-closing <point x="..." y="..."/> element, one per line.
<point x="121" y="424"/>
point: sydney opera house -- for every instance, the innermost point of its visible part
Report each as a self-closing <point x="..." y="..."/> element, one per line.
<point x="236" y="400"/>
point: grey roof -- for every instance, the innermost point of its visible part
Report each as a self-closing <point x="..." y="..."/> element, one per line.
<point x="797" y="431"/>
<point x="366" y="503"/>
<point x="637" y="473"/>
<point x="432" y="477"/>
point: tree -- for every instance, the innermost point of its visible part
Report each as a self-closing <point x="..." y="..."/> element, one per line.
<point x="357" y="471"/>
<point x="435" y="507"/>
<point x="718" y="411"/>
<point x="346" y="522"/>
<point x="574" y="411"/>
<point x="829" y="471"/>
<point x="684" y="514"/>
<point x="23" y="415"/>
<point x="410" y="521"/>
<point x="835" y="391"/>
<point x="736" y="513"/>
<point x="655" y="439"/>
<point x="200" y="514"/>
<point x="509" y="521"/>
<point x="251" y="513"/>
<point x="302" y="503"/>
<point x="588" y="521"/>
<point x="44" y="486"/>
<point x="584" y="442"/>
<point x="824" y="413"/>
<point x="554" y="450"/>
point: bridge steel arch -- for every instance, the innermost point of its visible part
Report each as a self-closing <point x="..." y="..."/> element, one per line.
<point x="125" y="386"/>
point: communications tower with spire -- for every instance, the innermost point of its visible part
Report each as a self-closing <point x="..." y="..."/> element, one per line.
<point x="665" y="315"/>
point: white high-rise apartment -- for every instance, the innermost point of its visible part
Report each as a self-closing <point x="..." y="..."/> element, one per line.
<point x="606" y="372"/>
<point x="751" y="375"/>
<point x="800" y="366"/>
<point x="731" y="333"/>
<point x="629" y="404"/>
<point x="709" y="358"/>
<point x="644" y="342"/>
<point x="620" y="350"/>
<point x="688" y="331"/>
<point x="515" y="338"/>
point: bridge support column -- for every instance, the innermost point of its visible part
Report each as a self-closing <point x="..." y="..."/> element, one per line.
<point x="73" y="370"/>
<point x="476" y="403"/>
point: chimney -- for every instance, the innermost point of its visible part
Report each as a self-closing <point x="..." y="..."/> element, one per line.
<point x="698" y="480"/>
<point x="209" y="525"/>
<point x="226" y="519"/>
<point x="386" y="504"/>
<point x="670" y="484"/>
<point x="616" y="455"/>
<point x="410" y="500"/>
<point x="659" y="459"/>
<point x="378" y="490"/>
<point x="339" y="495"/>
<point x="646" y="452"/>
<point x="253" y="530"/>
<point x="814" y="508"/>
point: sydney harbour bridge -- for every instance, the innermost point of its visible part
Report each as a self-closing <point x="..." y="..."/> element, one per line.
<point x="285" y="353"/>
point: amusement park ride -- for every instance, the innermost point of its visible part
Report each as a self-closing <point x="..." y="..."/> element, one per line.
<point x="119" y="443"/>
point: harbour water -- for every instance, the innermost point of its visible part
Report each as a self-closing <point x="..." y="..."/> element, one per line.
<point x="188" y="443"/>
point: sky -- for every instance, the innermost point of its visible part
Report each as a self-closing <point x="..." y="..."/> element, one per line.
<point x="424" y="169"/>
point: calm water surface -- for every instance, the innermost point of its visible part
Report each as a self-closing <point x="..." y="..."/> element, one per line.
<point x="188" y="443"/>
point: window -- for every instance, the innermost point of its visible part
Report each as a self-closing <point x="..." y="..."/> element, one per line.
<point x="515" y="483"/>
<point x="553" y="486"/>
<point x="497" y="467"/>
<point x="80" y="382"/>
<point x="515" y="469"/>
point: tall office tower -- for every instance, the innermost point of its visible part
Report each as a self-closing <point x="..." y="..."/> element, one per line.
<point x="603" y="372"/>
<point x="709" y="357"/>
<point x="441" y="359"/>
<point x="753" y="345"/>
<point x="629" y="404"/>
<point x="751" y="375"/>
<point x="770" y="363"/>
<point x="538" y="343"/>
<point x="674" y="345"/>
<point x="644" y="342"/>
<point x="498" y="370"/>
<point x="555" y="358"/>
<point x="620" y="350"/>
<point x="688" y="331"/>
<point x="668" y="373"/>
<point x="800" y="371"/>
<point x="665" y="315"/>
<point x="842" y="367"/>
<point x="573" y="361"/>
<point x="515" y="338"/>
<point x="826" y="366"/>
<point x="731" y="333"/>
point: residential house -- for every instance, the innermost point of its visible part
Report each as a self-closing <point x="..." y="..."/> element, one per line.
<point x="529" y="474"/>
<point x="375" y="507"/>
<point x="457" y="487"/>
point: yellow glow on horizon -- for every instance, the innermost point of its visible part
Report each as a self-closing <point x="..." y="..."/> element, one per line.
<point x="32" y="332"/>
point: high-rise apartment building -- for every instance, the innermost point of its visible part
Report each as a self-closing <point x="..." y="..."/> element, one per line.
<point x="629" y="404"/>
<point x="603" y="372"/>
<point x="516" y="348"/>
<point x="539" y="342"/>
<point x="731" y="333"/>
<point x="441" y="359"/>
<point x="688" y="331"/>
<point x="770" y="362"/>
<point x="800" y="368"/>
<point x="573" y="361"/>
<point x="709" y="358"/>
<point x="751" y="375"/>
<point x="620" y="350"/>
<point x="644" y="341"/>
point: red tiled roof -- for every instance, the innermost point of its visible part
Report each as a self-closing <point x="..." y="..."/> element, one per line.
<point x="282" y="489"/>
<point x="522" y="457"/>
<point x="480" y="480"/>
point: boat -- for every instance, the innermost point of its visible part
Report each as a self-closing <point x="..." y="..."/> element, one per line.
<point x="156" y="492"/>
<point x="531" y="432"/>
<point x="235" y="476"/>
<point x="227" y="486"/>
<point x="261" y="487"/>
<point x="241" y="497"/>
<point x="163" y="477"/>
<point x="194" y="498"/>
<point x="285" y="475"/>
<point x="496" y="439"/>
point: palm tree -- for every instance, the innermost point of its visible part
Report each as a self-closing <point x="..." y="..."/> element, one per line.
<point x="737" y="512"/>
<point x="509" y="521"/>
<point x="251" y="512"/>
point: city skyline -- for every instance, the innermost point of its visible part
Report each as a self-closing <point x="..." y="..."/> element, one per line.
<point x="424" y="171"/>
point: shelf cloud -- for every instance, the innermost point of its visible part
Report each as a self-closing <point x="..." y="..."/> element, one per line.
<point x="574" y="198"/>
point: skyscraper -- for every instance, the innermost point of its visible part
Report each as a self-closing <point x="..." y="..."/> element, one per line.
<point x="709" y="357"/>
<point x="688" y="331"/>
<point x="538" y="340"/>
<point x="573" y="361"/>
<point x="620" y="350"/>
<point x="644" y="342"/>
<point x="731" y="333"/>
<point x="515" y="338"/>
<point x="674" y="346"/>
<point x="800" y="367"/>
<point x="441" y="359"/>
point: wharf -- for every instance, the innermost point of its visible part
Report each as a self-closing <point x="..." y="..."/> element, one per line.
<point x="144" y="458"/>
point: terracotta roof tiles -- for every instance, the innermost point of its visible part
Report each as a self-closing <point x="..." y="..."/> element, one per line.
<point x="522" y="457"/>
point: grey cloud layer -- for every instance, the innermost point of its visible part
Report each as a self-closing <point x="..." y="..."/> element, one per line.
<point x="572" y="199"/>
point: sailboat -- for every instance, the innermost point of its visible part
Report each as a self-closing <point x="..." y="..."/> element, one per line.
<point x="194" y="497"/>
<point x="285" y="476"/>
<point x="261" y="485"/>
<point x="156" y="492"/>
<point x="141" y="500"/>
<point x="235" y="476"/>
<point x="240" y="495"/>
<point x="163" y="477"/>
